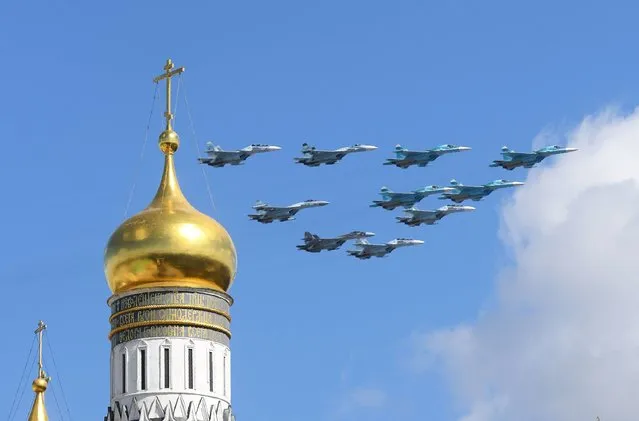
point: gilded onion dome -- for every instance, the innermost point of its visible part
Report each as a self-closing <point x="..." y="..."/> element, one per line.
<point x="170" y="243"/>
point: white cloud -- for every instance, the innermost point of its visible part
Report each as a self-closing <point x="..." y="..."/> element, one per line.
<point x="560" y="342"/>
<point x="368" y="398"/>
<point x="358" y="400"/>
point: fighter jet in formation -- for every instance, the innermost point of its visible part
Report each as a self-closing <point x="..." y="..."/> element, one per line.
<point x="392" y="200"/>
<point x="267" y="214"/>
<point x="367" y="250"/>
<point x="430" y="217"/>
<point x="313" y="157"/>
<point x="514" y="159"/>
<point x="459" y="192"/>
<point x="405" y="158"/>
<point x="219" y="158"/>
<point x="314" y="243"/>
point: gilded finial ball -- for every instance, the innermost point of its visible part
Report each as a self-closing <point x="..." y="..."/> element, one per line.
<point x="169" y="142"/>
<point x="39" y="385"/>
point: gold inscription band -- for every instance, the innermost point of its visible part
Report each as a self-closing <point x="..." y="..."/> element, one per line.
<point x="165" y="306"/>
<point x="169" y="315"/>
<point x="169" y="298"/>
<point x="181" y="313"/>
<point x="171" y="323"/>
<point x="168" y="332"/>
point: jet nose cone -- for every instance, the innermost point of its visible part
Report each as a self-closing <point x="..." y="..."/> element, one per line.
<point x="368" y="147"/>
<point x="516" y="183"/>
<point x="468" y="208"/>
<point x="571" y="149"/>
<point x="417" y="242"/>
<point x="274" y="148"/>
<point x="464" y="148"/>
<point x="321" y="203"/>
<point x="369" y="234"/>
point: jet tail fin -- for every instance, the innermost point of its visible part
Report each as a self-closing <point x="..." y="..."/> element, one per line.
<point x="400" y="151"/>
<point x="259" y="204"/>
<point x="306" y="148"/>
<point x="385" y="192"/>
<point x="210" y="147"/>
<point x="309" y="236"/>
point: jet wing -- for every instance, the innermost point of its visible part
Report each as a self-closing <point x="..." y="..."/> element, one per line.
<point x="272" y="209"/>
<point x="373" y="249"/>
<point x="230" y="155"/>
<point x="420" y="155"/>
<point x="467" y="190"/>
<point x="518" y="155"/>
<point x="422" y="213"/>
<point x="325" y="154"/>
<point x="397" y="196"/>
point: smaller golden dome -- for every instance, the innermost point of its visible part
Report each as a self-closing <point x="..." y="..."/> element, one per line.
<point x="170" y="243"/>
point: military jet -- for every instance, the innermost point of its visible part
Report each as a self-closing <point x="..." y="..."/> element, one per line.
<point x="405" y="158"/>
<point x="219" y="158"/>
<point x="514" y="159"/>
<point x="430" y="217"/>
<point x="267" y="214"/>
<point x="367" y="250"/>
<point x="460" y="192"/>
<point x="392" y="200"/>
<point x="312" y="157"/>
<point x="314" y="244"/>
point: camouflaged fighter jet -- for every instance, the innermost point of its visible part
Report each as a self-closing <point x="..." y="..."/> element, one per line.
<point x="405" y="158"/>
<point x="459" y="193"/>
<point x="367" y="250"/>
<point x="392" y="200"/>
<point x="314" y="244"/>
<point x="267" y="214"/>
<point x="313" y="157"/>
<point x="514" y="159"/>
<point x="430" y="217"/>
<point x="219" y="158"/>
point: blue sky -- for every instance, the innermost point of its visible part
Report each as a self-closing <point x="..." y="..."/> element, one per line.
<point x="319" y="337"/>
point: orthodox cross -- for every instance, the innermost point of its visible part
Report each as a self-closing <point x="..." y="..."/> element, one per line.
<point x="168" y="74"/>
<point x="38" y="331"/>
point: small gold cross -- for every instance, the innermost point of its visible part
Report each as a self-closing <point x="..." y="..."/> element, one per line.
<point x="168" y="74"/>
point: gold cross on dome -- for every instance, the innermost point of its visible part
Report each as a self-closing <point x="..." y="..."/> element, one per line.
<point x="168" y="74"/>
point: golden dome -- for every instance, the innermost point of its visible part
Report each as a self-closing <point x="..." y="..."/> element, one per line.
<point x="170" y="243"/>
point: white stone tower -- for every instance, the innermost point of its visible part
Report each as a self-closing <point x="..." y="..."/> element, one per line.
<point x="169" y="268"/>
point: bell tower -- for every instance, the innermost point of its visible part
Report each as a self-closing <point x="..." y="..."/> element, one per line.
<point x="169" y="268"/>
